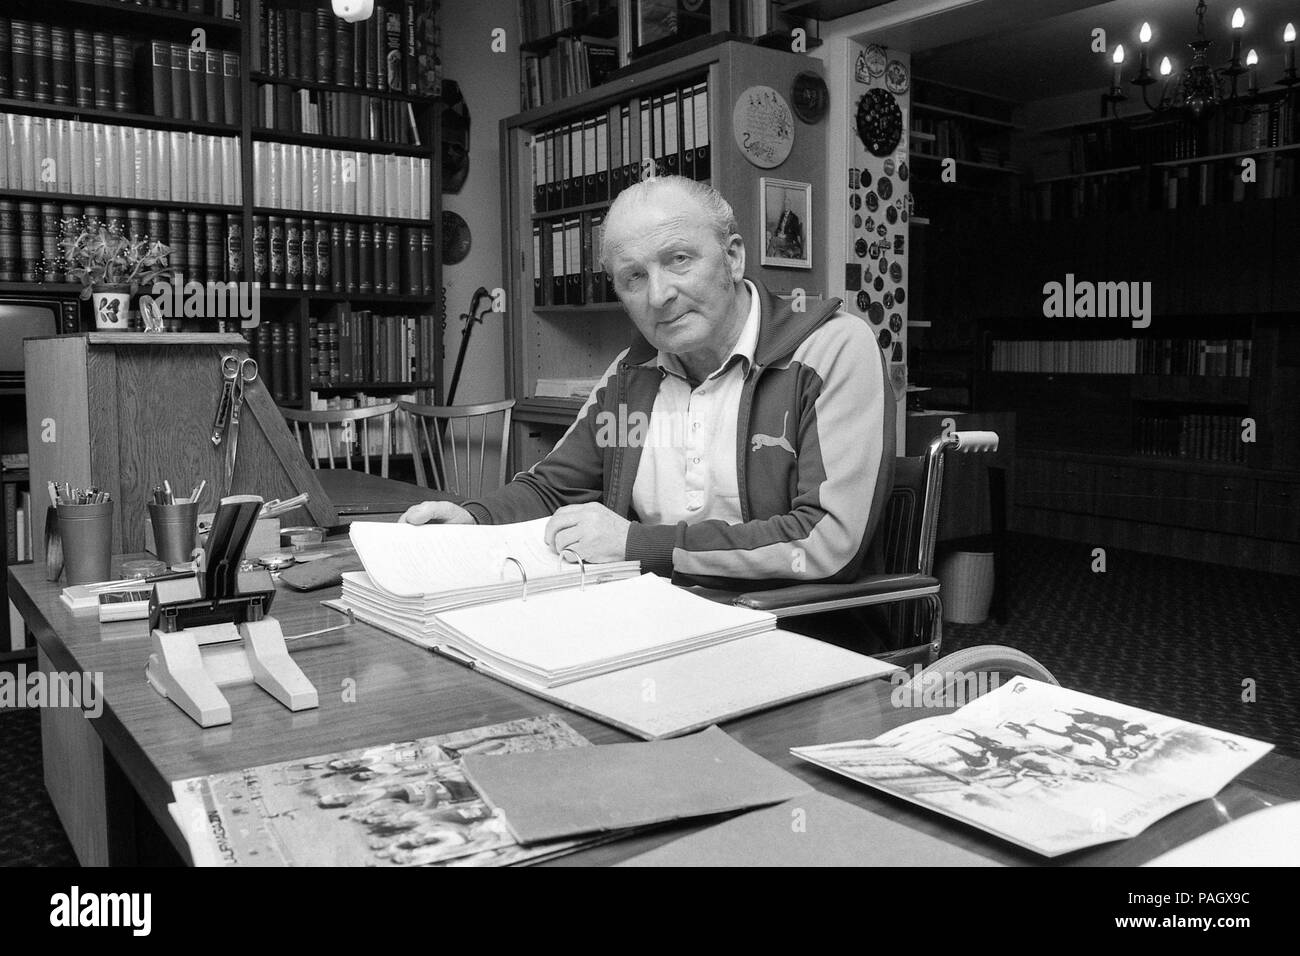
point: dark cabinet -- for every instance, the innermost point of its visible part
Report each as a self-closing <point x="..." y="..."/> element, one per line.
<point x="1278" y="512"/>
<point x="1055" y="484"/>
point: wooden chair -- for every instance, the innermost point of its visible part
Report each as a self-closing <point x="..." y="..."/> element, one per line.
<point x="343" y="433"/>
<point x="437" y="429"/>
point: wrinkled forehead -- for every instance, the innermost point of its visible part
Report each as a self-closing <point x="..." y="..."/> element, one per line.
<point x="646" y="226"/>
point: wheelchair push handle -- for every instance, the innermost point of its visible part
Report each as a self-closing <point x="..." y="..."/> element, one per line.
<point x="974" y="441"/>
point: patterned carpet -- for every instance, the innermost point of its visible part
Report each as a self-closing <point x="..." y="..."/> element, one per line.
<point x="1172" y="636"/>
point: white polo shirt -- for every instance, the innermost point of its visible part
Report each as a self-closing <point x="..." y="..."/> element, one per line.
<point x="687" y="470"/>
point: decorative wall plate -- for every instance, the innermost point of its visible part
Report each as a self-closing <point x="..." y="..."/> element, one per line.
<point x="876" y="59"/>
<point x="809" y="97"/>
<point x="763" y="126"/>
<point x="896" y="77"/>
<point x="455" y="238"/>
<point x="879" y="122"/>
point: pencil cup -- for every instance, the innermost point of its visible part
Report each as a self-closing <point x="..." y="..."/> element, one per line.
<point x="87" y="532"/>
<point x="175" y="528"/>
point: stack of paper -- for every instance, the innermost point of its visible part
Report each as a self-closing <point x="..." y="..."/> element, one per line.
<point x="415" y="571"/>
<point x="557" y="638"/>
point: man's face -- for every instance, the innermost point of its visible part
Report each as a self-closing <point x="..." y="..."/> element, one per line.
<point x="673" y="277"/>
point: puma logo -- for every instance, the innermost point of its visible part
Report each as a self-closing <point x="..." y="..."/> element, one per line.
<point x="759" y="440"/>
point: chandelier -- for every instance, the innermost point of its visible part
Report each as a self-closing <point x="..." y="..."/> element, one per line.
<point x="1202" y="87"/>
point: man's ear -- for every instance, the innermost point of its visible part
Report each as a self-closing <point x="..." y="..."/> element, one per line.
<point x="736" y="256"/>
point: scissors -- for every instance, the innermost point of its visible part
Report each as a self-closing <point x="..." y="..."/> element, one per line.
<point x="236" y="374"/>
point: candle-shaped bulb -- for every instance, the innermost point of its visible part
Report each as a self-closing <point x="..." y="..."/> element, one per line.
<point x="1118" y="56"/>
<point x="1166" y="67"/>
<point x="1238" y="19"/>
<point x="1145" y="33"/>
<point x="1288" y="35"/>
<point x="1252" y="58"/>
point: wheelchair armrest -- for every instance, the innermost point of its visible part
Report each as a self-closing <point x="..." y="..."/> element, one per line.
<point x="871" y="586"/>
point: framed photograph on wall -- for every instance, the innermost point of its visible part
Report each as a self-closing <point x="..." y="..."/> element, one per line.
<point x="659" y="24"/>
<point x="785" y="208"/>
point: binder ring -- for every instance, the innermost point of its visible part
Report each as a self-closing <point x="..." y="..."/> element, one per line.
<point x="523" y="584"/>
<point x="582" y="567"/>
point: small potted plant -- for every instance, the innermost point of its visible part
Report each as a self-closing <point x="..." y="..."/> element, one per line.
<point x="111" y="267"/>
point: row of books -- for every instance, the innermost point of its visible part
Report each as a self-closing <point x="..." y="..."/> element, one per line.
<point x="574" y="65"/>
<point x="1212" y="357"/>
<point x="1155" y="188"/>
<point x="190" y="84"/>
<point x="543" y="18"/>
<point x="1222" y="357"/>
<point x="1108" y="145"/>
<point x="566" y="262"/>
<point x="580" y="162"/>
<point x="343" y="182"/>
<point x="274" y="345"/>
<point x="346" y="258"/>
<point x="203" y="246"/>
<point x="225" y="9"/>
<point x="348" y="440"/>
<point x="18" y="534"/>
<point x="1198" y="437"/>
<point x="67" y="66"/>
<point x="958" y="139"/>
<point x="350" y="346"/>
<point x="43" y="154"/>
<point x="357" y="115"/>
<point x="396" y="49"/>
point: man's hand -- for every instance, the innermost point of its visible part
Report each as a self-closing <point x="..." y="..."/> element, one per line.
<point x="591" y="531"/>
<point x="436" y="512"/>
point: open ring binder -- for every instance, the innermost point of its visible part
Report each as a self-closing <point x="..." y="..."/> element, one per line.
<point x="523" y="584"/>
<point x="582" y="568"/>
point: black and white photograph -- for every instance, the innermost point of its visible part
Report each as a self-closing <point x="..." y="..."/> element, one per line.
<point x="786" y="211"/>
<point x="646" y="433"/>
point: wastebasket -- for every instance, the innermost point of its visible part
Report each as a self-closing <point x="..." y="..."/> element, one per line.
<point x="966" y="586"/>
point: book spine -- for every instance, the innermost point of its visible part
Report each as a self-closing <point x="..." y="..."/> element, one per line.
<point x="196" y="66"/>
<point x="101" y="51"/>
<point x="180" y="76"/>
<point x="292" y="253"/>
<point x="42" y="63"/>
<point x="337" y="257"/>
<point x="351" y="259"/>
<point x="366" y="258"/>
<point x="426" y="262"/>
<point x="279" y="372"/>
<point x="6" y="58"/>
<point x="29" y="242"/>
<point x="307" y="251"/>
<point x="324" y="271"/>
<point x="51" y="261"/>
<point x="276" y="244"/>
<point x="293" y="43"/>
<point x="292" y="364"/>
<point x="412" y="284"/>
<point x="325" y="53"/>
<point x="230" y="88"/>
<point x="395" y="78"/>
<point x="64" y="83"/>
<point x="195" y="251"/>
<point x="21" y="59"/>
<point x="9" y="268"/>
<point x="234" y="248"/>
<point x="123" y="75"/>
<point x="261" y="250"/>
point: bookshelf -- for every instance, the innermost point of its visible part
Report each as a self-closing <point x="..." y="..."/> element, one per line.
<point x="569" y="325"/>
<point x="300" y="84"/>
<point x="1126" y="437"/>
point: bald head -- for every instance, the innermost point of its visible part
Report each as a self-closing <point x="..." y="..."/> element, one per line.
<point x="688" y="194"/>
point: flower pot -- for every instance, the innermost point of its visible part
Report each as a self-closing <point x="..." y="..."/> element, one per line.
<point x="112" y="307"/>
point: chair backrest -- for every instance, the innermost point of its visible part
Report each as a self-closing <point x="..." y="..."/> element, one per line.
<point x="451" y="437"/>
<point x="344" y="432"/>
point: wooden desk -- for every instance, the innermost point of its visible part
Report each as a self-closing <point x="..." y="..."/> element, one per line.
<point x="142" y="742"/>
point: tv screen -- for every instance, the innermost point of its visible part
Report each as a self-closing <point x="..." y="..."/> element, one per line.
<point x="20" y="319"/>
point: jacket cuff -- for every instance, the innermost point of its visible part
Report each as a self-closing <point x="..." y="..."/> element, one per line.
<point x="476" y="511"/>
<point x="652" y="545"/>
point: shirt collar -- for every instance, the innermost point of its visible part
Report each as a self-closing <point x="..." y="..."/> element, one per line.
<point x="743" y="349"/>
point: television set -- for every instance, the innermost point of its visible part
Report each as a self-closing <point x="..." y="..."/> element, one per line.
<point x="25" y="316"/>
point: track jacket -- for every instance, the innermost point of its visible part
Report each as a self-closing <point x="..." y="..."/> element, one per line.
<point x="814" y="444"/>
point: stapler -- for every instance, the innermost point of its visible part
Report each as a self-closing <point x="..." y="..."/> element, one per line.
<point x="215" y="629"/>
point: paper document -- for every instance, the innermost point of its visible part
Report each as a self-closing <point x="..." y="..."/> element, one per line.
<point x="399" y="804"/>
<point x="811" y="830"/>
<point x="1050" y="769"/>
<point x="409" y="560"/>
<point x="556" y="796"/>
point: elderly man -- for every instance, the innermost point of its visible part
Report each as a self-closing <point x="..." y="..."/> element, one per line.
<point x="735" y="442"/>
